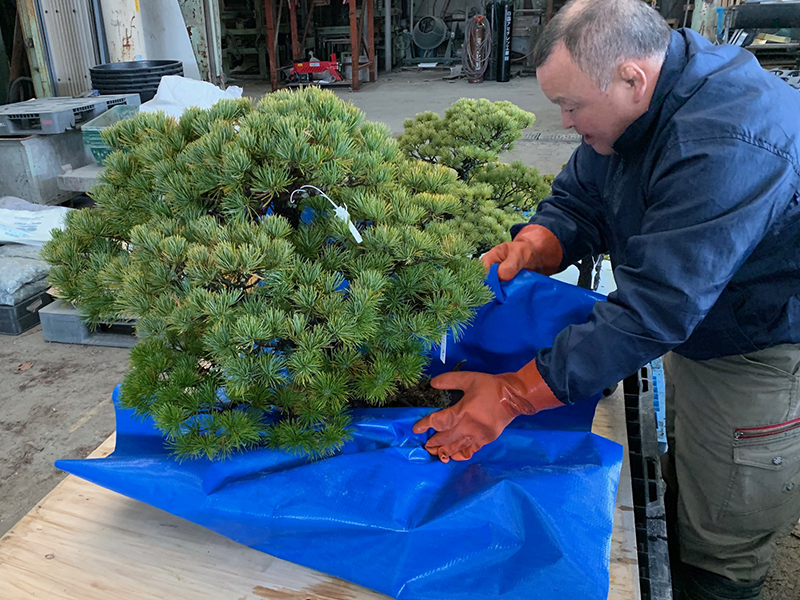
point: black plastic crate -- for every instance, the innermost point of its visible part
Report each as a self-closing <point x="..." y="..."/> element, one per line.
<point x="648" y="487"/>
<point x="21" y="317"/>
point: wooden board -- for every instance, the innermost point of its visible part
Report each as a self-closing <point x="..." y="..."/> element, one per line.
<point x="609" y="422"/>
<point x="83" y="542"/>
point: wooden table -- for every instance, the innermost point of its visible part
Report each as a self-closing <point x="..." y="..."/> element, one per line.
<point x="83" y="542"/>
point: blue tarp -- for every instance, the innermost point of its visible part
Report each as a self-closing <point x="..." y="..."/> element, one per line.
<point x="530" y="516"/>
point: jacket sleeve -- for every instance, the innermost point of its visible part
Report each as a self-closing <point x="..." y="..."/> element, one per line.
<point x="574" y="211"/>
<point x="709" y="204"/>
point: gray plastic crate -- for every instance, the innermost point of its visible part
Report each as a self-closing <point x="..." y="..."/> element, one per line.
<point x="30" y="165"/>
<point x="24" y="315"/>
<point x="61" y="322"/>
<point x="56" y="115"/>
<point x="648" y="487"/>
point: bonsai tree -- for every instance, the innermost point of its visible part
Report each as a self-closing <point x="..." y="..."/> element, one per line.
<point x="495" y="195"/>
<point x="284" y="262"/>
<point x="469" y="140"/>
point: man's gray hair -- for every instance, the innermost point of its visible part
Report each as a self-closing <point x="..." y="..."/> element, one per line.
<point x="602" y="34"/>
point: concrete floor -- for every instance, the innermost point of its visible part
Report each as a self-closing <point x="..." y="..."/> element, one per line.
<point x="55" y="402"/>
<point x="55" y="399"/>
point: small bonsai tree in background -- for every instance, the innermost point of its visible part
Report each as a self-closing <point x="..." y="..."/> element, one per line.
<point x="495" y="195"/>
<point x="469" y="140"/>
<point x="267" y="307"/>
<point x="472" y="133"/>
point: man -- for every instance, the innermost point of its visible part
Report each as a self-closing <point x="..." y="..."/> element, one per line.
<point x="688" y="177"/>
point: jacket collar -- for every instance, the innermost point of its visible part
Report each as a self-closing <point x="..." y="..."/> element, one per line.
<point x="636" y="135"/>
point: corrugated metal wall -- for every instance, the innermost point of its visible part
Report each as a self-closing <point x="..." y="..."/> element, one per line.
<point x="71" y="39"/>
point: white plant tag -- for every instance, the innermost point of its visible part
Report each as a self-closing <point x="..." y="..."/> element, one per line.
<point x="339" y="211"/>
<point x="443" y="348"/>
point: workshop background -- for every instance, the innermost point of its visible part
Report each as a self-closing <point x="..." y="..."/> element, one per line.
<point x="70" y="68"/>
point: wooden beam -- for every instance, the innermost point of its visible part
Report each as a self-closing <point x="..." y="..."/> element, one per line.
<point x="42" y="83"/>
<point x="355" y="45"/>
<point x="370" y="10"/>
<point x="271" y="46"/>
<point x="293" y="25"/>
<point x="17" y="53"/>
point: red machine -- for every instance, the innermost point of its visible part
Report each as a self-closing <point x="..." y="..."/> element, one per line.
<point x="303" y="72"/>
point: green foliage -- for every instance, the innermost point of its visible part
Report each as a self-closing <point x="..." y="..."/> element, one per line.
<point x="472" y="133"/>
<point x="469" y="139"/>
<point x="514" y="185"/>
<point x="262" y="319"/>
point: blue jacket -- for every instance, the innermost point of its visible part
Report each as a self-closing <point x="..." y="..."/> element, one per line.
<point x="700" y="213"/>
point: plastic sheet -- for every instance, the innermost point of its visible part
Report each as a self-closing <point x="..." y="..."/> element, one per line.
<point x="23" y="222"/>
<point x="530" y="516"/>
<point x="175" y="94"/>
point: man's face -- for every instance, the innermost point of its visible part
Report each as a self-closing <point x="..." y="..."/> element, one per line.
<point x="599" y="116"/>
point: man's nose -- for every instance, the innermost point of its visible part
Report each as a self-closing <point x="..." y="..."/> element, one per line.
<point x="566" y="120"/>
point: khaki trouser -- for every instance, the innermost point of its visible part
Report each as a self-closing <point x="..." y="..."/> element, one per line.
<point x="734" y="433"/>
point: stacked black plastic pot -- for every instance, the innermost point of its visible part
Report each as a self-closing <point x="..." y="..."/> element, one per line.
<point x="136" y="77"/>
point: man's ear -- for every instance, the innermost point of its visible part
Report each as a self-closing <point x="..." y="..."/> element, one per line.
<point x="634" y="76"/>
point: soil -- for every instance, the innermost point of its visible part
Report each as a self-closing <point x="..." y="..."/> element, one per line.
<point x="420" y="395"/>
<point x="54" y="403"/>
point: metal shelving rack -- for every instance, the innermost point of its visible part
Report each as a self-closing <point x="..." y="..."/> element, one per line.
<point x="246" y="38"/>
<point x="359" y="23"/>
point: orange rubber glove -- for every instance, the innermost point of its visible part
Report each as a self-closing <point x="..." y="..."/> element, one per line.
<point x="489" y="404"/>
<point x="534" y="248"/>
